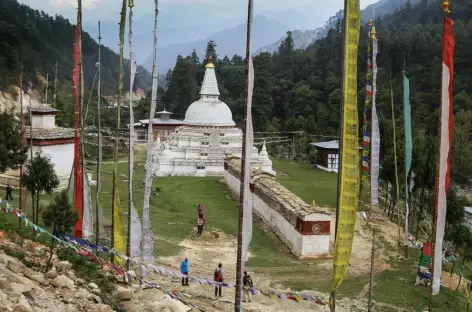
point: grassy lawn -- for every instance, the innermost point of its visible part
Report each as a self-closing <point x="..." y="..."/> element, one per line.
<point x="307" y="182"/>
<point x="173" y="212"/>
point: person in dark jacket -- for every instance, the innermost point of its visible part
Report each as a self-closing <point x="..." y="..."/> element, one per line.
<point x="184" y="272"/>
<point x="9" y="190"/>
<point x="218" y="277"/>
<point x="247" y="285"/>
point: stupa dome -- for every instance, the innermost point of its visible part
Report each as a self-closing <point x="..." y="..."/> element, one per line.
<point x="209" y="110"/>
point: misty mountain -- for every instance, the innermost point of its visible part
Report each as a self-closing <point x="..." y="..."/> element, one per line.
<point x="303" y="39"/>
<point x="230" y="41"/>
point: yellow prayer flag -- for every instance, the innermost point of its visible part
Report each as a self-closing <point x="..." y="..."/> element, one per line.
<point x="119" y="240"/>
<point x="350" y="181"/>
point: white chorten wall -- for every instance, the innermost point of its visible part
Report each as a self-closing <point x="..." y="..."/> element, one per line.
<point x="303" y="228"/>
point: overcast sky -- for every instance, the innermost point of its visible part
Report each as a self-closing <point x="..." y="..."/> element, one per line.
<point x="106" y="10"/>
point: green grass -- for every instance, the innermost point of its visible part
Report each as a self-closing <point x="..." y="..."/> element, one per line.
<point x="307" y="182"/>
<point x="173" y="211"/>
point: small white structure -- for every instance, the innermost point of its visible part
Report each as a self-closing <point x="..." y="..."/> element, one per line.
<point x="198" y="148"/>
<point x="55" y="142"/>
<point x="303" y="228"/>
<point x="468" y="217"/>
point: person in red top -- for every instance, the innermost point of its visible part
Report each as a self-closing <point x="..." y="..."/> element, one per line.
<point x="218" y="277"/>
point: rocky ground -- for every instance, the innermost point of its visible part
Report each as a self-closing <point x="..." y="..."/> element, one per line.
<point x="25" y="289"/>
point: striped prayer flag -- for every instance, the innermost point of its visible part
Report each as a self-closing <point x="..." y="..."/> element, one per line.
<point x="445" y="138"/>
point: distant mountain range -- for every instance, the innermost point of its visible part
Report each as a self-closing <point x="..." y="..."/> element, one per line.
<point x="230" y="41"/>
<point x="302" y="39"/>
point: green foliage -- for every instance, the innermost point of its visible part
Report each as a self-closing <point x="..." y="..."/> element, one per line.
<point x="37" y="41"/>
<point x="40" y="175"/>
<point x="60" y="215"/>
<point x="12" y="154"/>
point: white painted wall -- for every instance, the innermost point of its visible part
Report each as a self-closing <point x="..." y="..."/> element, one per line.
<point x="303" y="245"/>
<point x="62" y="156"/>
<point x="44" y="121"/>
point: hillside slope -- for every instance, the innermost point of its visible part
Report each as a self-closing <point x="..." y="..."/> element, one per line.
<point x="37" y="41"/>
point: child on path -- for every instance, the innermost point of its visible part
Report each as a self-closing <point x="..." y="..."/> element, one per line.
<point x="184" y="272"/>
<point x="218" y="277"/>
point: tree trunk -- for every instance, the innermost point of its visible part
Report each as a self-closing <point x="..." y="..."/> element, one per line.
<point x="51" y="248"/>
<point x="34" y="215"/>
<point x="454" y="263"/>
<point x="386" y="199"/>
<point x="37" y="208"/>
<point x="462" y="268"/>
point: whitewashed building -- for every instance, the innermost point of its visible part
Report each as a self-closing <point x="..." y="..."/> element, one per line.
<point x="55" y="142"/>
<point x="468" y="217"/>
<point x="198" y="148"/>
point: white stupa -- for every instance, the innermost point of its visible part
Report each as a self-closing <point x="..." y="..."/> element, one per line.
<point x="209" y="134"/>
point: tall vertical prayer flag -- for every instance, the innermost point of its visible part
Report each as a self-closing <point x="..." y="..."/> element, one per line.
<point x="445" y="139"/>
<point x="375" y="157"/>
<point x="247" y="201"/>
<point x="397" y="188"/>
<point x="118" y="238"/>
<point x="147" y="253"/>
<point x="134" y="230"/>
<point x="349" y="171"/>
<point x="408" y="147"/>
<point x="77" y="170"/>
<point x="367" y="103"/>
<point x="246" y="233"/>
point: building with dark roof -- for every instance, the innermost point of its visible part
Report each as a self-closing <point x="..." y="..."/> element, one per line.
<point x="163" y="126"/>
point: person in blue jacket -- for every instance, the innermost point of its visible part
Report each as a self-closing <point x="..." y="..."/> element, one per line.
<point x="184" y="272"/>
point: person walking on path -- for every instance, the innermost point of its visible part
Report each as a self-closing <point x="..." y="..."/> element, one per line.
<point x="9" y="190"/>
<point x="218" y="277"/>
<point x="184" y="272"/>
<point x="200" y="224"/>
<point x="247" y="285"/>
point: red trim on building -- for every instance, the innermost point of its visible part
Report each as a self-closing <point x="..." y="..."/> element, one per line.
<point x="313" y="227"/>
<point x="48" y="142"/>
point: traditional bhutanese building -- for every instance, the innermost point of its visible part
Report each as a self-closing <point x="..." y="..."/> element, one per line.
<point x="163" y="126"/>
<point x="199" y="147"/>
<point x="53" y="141"/>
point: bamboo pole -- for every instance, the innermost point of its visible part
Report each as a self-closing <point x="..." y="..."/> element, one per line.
<point x="22" y="131"/>
<point x="98" y="219"/>
<point x="237" y="297"/>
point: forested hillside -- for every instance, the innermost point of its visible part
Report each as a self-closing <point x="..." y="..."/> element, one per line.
<point x="301" y="89"/>
<point x="36" y="41"/>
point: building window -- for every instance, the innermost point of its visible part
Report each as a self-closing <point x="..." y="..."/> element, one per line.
<point x="222" y="134"/>
<point x="205" y="143"/>
<point x="203" y="154"/>
<point x="206" y="134"/>
<point x="225" y="142"/>
<point x="200" y="167"/>
<point x="141" y="135"/>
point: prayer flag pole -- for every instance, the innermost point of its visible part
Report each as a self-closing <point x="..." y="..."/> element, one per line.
<point x="443" y="162"/>
<point x="147" y="250"/>
<point x="348" y="170"/>
<point x="244" y="155"/>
